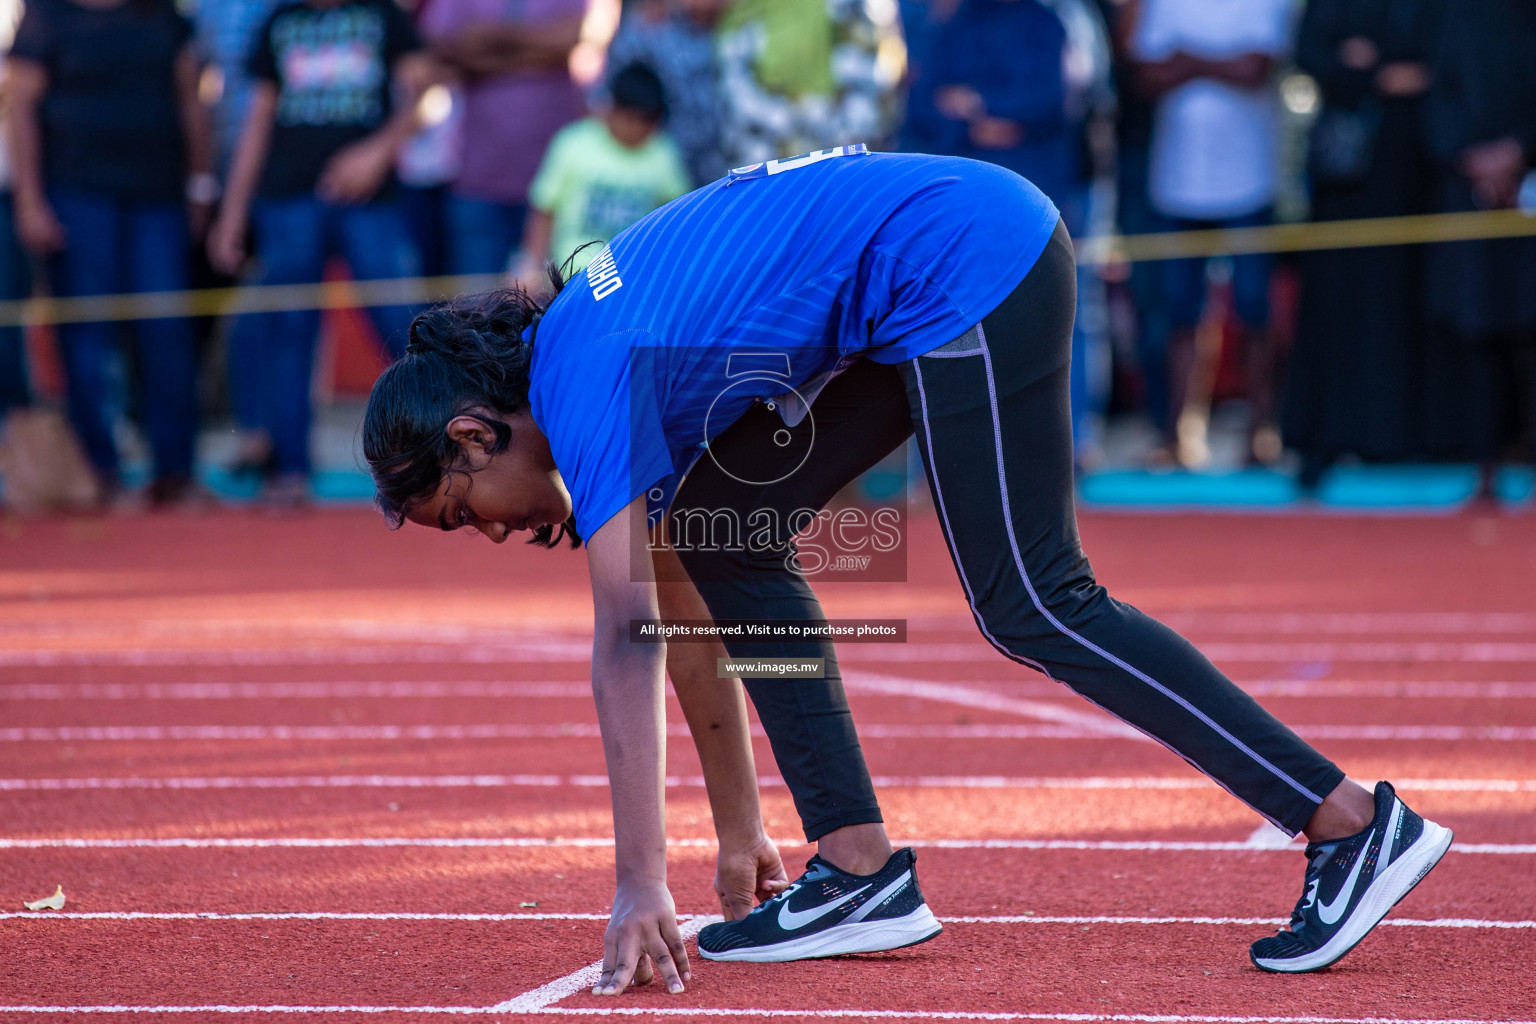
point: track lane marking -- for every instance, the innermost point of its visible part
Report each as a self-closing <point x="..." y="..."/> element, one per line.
<point x="580" y="652"/>
<point x="700" y="920"/>
<point x="535" y="1000"/>
<point x="1100" y="730"/>
<point x="482" y="781"/>
<point x="405" y="690"/>
<point x="802" y="1014"/>
<point x="600" y="842"/>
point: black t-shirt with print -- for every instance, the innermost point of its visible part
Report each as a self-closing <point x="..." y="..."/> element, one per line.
<point x="331" y="66"/>
<point x="109" y="119"/>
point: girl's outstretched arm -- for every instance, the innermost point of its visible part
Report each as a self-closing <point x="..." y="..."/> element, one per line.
<point x="627" y="686"/>
<point x="748" y="868"/>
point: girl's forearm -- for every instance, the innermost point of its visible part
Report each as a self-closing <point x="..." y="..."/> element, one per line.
<point x="627" y="686"/>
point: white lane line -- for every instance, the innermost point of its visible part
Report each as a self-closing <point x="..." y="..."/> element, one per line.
<point x="1088" y="1018"/>
<point x="1268" y="837"/>
<point x="135" y="733"/>
<point x="809" y="1014"/>
<point x="580" y="652"/>
<point x="295" y="690"/>
<point x="813" y="1014"/>
<point x="268" y="1010"/>
<point x="1029" y="686"/>
<point x="537" y="999"/>
<point x="1396" y="652"/>
<point x="1107" y="730"/>
<point x="1298" y="622"/>
<point x="693" y="922"/>
<point x="222" y="782"/>
<point x="599" y="842"/>
<point x="951" y="693"/>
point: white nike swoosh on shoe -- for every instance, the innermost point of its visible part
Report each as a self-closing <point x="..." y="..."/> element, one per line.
<point x="873" y="903"/>
<point x="790" y="920"/>
<point x="1329" y="913"/>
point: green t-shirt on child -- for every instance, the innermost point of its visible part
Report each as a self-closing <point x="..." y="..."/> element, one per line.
<point x="594" y="187"/>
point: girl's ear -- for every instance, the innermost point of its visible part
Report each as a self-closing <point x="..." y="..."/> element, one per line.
<point x="473" y="436"/>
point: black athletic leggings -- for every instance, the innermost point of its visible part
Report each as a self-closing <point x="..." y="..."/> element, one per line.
<point x="992" y="418"/>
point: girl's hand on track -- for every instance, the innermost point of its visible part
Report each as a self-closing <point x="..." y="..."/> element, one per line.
<point x="746" y="874"/>
<point x="643" y="924"/>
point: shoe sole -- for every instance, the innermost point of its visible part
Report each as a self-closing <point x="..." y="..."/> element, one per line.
<point x="839" y="940"/>
<point x="1384" y="893"/>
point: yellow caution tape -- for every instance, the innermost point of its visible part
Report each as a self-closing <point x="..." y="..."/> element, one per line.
<point x="1097" y="250"/>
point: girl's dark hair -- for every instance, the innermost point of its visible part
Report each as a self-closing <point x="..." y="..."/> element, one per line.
<point x="464" y="357"/>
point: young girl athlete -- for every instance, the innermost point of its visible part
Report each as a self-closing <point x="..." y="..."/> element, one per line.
<point x="671" y="378"/>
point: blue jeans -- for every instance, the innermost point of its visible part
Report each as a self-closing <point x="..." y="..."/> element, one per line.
<point x="13" y="285"/>
<point x="116" y="245"/>
<point x="295" y="235"/>
<point x="482" y="235"/>
<point x="1184" y="280"/>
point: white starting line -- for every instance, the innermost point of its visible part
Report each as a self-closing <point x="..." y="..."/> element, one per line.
<point x="703" y="919"/>
<point x="601" y="842"/>
<point x="225" y="782"/>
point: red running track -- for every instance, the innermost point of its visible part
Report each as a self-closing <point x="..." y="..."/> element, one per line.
<point x="306" y="767"/>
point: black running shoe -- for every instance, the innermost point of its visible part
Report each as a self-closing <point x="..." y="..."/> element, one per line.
<point x="1351" y="883"/>
<point x="827" y="912"/>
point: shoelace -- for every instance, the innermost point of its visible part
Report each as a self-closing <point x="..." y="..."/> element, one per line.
<point x="1309" y="886"/>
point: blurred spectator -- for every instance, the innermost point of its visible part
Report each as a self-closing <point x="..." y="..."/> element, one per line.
<point x="105" y="127"/>
<point x="799" y="75"/>
<point x="1356" y="362"/>
<point x="998" y="93"/>
<point x="517" y="89"/>
<point x="1482" y="303"/>
<point x="1210" y="66"/>
<point x="1006" y="82"/>
<point x="602" y="174"/>
<point x="316" y="156"/>
<point x="677" y="39"/>
<point x="225" y="29"/>
<point x="1140" y="302"/>
<point x="921" y="22"/>
<point x="14" y="284"/>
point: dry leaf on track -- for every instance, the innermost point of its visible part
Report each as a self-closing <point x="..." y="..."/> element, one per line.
<point x="54" y="902"/>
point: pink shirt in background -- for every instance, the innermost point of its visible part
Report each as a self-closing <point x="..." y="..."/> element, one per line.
<point x="508" y="120"/>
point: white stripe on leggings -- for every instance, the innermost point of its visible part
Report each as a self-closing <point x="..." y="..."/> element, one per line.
<point x="1035" y="599"/>
<point x="1002" y="649"/>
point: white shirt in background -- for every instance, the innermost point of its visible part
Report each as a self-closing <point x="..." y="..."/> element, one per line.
<point x="1215" y="147"/>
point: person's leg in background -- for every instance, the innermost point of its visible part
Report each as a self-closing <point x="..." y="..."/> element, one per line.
<point x="377" y="246"/>
<point x="291" y="236"/>
<point x="156" y="243"/>
<point x="1090" y="336"/>
<point x="15" y="390"/>
<point x="90" y="264"/>
<point x="482" y="234"/>
<point x="1251" y="274"/>
<point x="245" y="353"/>
<point x="1183" y="301"/>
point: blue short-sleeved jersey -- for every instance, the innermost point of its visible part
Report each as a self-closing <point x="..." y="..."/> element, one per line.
<point x="763" y="284"/>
